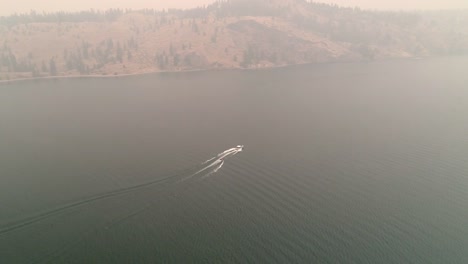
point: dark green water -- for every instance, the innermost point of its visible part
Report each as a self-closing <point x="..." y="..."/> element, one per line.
<point x="343" y="163"/>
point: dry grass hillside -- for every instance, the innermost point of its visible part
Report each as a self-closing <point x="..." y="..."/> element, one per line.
<point x="227" y="34"/>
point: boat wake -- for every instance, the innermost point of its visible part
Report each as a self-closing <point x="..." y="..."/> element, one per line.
<point x="215" y="163"/>
<point x="214" y="171"/>
<point x="210" y="167"/>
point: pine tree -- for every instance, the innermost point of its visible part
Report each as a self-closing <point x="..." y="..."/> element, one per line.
<point x="52" y="67"/>
<point x="44" y="67"/>
<point x="119" y="53"/>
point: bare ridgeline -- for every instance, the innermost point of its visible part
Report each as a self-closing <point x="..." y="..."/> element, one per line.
<point x="226" y="34"/>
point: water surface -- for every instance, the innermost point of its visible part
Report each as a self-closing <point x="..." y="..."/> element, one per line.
<point x="343" y="163"/>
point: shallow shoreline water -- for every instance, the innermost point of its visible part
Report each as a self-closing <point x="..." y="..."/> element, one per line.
<point x="110" y="75"/>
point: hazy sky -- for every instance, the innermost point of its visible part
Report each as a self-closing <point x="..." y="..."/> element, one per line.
<point x="10" y="6"/>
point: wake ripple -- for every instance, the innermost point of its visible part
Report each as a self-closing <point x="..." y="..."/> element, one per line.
<point x="216" y="162"/>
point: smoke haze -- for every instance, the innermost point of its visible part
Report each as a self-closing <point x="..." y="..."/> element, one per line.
<point x="22" y="6"/>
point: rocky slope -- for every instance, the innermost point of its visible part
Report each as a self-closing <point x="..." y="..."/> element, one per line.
<point x="227" y="34"/>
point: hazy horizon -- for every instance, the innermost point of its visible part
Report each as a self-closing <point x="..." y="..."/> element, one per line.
<point x="24" y="6"/>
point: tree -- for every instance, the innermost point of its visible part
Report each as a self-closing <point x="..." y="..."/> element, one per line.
<point x="273" y="57"/>
<point x="5" y="60"/>
<point x="35" y="72"/>
<point x="13" y="63"/>
<point x="247" y="59"/>
<point x="69" y="64"/>
<point x="52" y="67"/>
<point x="171" y="50"/>
<point x="162" y="61"/>
<point x="187" y="60"/>
<point x="119" y="53"/>
<point x="110" y="44"/>
<point x="85" y="47"/>
<point x="195" y="27"/>
<point x="44" y="67"/>
<point x="166" y="60"/>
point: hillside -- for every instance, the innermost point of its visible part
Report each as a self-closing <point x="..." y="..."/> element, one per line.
<point x="226" y="34"/>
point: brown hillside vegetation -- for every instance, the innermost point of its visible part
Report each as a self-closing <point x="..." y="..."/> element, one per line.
<point x="226" y="34"/>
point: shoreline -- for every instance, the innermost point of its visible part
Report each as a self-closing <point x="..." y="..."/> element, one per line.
<point x="91" y="76"/>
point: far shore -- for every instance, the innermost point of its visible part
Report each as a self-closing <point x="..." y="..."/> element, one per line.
<point x="205" y="70"/>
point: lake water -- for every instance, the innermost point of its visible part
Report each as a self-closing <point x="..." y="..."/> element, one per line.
<point x="343" y="163"/>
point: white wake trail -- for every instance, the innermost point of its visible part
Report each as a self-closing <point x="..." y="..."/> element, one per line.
<point x="203" y="169"/>
<point x="226" y="152"/>
<point x="205" y="162"/>
<point x="219" y="167"/>
<point x="214" y="171"/>
<point x="216" y="160"/>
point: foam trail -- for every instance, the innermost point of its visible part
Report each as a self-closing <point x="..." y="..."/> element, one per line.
<point x="214" y="171"/>
<point x="220" y="154"/>
<point x="219" y="167"/>
<point x="205" y="162"/>
<point x="227" y="151"/>
<point x="217" y="160"/>
<point x="202" y="169"/>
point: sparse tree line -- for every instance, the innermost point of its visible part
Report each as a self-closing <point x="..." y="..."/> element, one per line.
<point x="85" y="58"/>
<point x="109" y="15"/>
<point x="9" y="62"/>
<point x="363" y="31"/>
